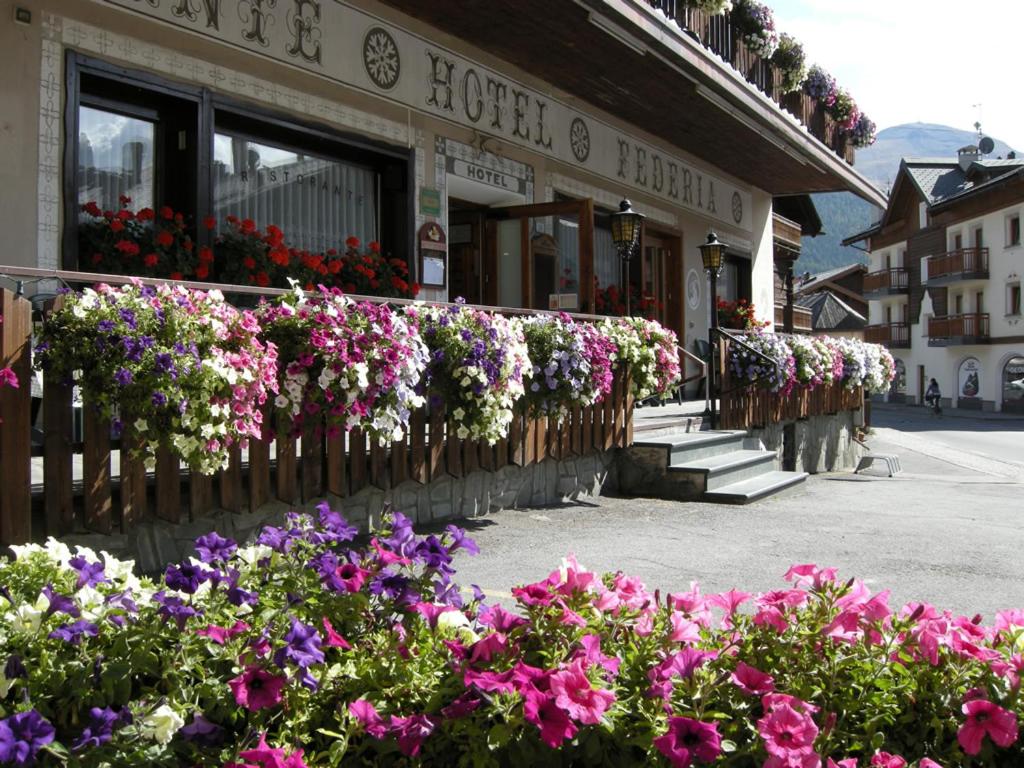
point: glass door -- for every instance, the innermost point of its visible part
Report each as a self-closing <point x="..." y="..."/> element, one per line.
<point x="540" y="256"/>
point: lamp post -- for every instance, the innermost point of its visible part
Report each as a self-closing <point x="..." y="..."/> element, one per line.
<point x="626" y="225"/>
<point x="711" y="254"/>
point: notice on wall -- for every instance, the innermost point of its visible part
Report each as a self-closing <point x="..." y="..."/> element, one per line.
<point x="970" y="383"/>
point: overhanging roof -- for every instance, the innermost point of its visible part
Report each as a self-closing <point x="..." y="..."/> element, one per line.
<point x="628" y="59"/>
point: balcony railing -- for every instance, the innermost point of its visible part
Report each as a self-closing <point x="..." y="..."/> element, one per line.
<point x="961" y="264"/>
<point x="719" y="35"/>
<point x="958" y="329"/>
<point x="892" y="335"/>
<point x="887" y="281"/>
<point x="802" y="321"/>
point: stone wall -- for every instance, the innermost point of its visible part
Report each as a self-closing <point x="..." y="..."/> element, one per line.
<point x="154" y="543"/>
<point x="823" y="443"/>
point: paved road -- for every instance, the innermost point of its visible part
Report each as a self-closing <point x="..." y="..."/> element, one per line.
<point x="949" y="529"/>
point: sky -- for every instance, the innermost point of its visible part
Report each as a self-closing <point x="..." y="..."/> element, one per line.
<point x="929" y="61"/>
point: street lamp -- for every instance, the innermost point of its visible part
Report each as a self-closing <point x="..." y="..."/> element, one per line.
<point x="711" y="254"/>
<point x="626" y="225"/>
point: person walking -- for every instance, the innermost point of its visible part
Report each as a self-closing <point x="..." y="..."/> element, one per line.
<point x="932" y="396"/>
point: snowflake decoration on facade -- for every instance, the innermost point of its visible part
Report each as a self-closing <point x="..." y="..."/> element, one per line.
<point x="579" y="139"/>
<point x="381" y="59"/>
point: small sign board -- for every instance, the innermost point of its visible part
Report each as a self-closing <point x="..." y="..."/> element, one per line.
<point x="433" y="251"/>
<point x="430" y="201"/>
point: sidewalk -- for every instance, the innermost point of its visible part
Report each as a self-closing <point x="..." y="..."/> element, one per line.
<point x="954" y="413"/>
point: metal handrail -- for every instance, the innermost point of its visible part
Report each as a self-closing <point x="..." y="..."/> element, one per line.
<point x="736" y="340"/>
<point x="703" y="367"/>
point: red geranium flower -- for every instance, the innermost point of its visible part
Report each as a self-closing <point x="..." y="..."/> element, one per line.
<point x="145" y="214"/>
<point x="262" y="279"/>
<point x="202" y="271"/>
<point x="374" y="246"/>
<point x="206" y="255"/>
<point x="92" y="209"/>
<point x="116" y="225"/>
<point x="248" y="226"/>
<point x="177" y="276"/>
<point x="127" y="247"/>
<point x="210" y="222"/>
<point x="166" y="212"/>
<point x="164" y="238"/>
<point x="249" y="262"/>
<point x="151" y="260"/>
<point x="352" y="242"/>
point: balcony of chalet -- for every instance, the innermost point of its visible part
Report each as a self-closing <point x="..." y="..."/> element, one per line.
<point x="956" y="266"/>
<point x="952" y="330"/>
<point x="891" y="335"/>
<point x="886" y="282"/>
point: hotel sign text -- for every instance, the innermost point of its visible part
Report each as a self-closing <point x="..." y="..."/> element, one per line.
<point x="352" y="47"/>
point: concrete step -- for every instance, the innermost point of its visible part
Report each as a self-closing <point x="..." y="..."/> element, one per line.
<point x="755" y="488"/>
<point x="725" y="469"/>
<point x="687" y="446"/>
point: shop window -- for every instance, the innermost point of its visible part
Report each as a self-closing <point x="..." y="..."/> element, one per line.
<point x="1013" y="385"/>
<point x="162" y="143"/>
<point x="1013" y="298"/>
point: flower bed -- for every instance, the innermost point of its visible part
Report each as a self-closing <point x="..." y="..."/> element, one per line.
<point x="811" y="361"/>
<point x="476" y="368"/>
<point x="571" y="365"/>
<point x="303" y="650"/>
<point x="649" y="352"/>
<point x="357" y="364"/>
<point x="183" y="369"/>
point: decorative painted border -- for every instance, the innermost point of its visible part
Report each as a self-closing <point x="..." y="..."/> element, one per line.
<point x="576" y="188"/>
<point x="51" y="75"/>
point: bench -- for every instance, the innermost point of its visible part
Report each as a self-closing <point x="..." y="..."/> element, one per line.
<point x="892" y="463"/>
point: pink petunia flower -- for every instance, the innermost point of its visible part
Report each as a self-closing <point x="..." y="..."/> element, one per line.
<point x="9" y="377"/>
<point x="810" y="575"/>
<point x="554" y="722"/>
<point x="927" y="762"/>
<point x="886" y="760"/>
<point x="366" y="715"/>
<point x="752" y="681"/>
<point x="574" y="693"/>
<point x="787" y="732"/>
<point x="688" y="739"/>
<point x="257" y="689"/>
<point x="848" y="762"/>
<point x="220" y="635"/>
<point x="411" y="732"/>
<point x="984" y="718"/>
<point x="265" y="756"/>
<point x="334" y="640"/>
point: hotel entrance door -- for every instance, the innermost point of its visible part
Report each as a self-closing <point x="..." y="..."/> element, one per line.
<point x="540" y="256"/>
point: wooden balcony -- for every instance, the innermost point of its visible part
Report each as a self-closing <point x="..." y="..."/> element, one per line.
<point x="892" y="335"/>
<point x="802" y="322"/>
<point x="886" y="282"/>
<point x="958" y="329"/>
<point x="721" y="36"/>
<point x="958" y="265"/>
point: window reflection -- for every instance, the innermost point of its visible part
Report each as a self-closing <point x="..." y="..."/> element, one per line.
<point x="317" y="202"/>
<point x="115" y="158"/>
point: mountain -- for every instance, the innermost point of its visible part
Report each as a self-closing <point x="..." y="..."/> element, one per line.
<point x="844" y="214"/>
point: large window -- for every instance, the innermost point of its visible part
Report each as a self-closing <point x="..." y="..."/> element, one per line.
<point x="162" y="143"/>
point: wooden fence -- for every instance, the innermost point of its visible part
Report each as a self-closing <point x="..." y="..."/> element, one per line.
<point x="750" y="406"/>
<point x="111" y="491"/>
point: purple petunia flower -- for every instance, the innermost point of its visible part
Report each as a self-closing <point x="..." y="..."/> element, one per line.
<point x="174" y="608"/>
<point x="89" y="574"/>
<point x="214" y="548"/>
<point x="15" y="667"/>
<point x="60" y="603"/>
<point x="22" y="736"/>
<point x="461" y="541"/>
<point x="186" y="577"/>
<point x="102" y="722"/>
<point x="302" y="646"/>
<point x="74" y="632"/>
<point x="123" y="377"/>
<point x="203" y="733"/>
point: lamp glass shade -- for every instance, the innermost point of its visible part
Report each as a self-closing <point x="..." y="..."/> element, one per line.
<point x="626" y="227"/>
<point x="711" y="253"/>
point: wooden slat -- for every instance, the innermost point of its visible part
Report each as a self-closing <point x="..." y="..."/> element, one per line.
<point x="133" y="480"/>
<point x="587" y="430"/>
<point x="629" y="403"/>
<point x="618" y="402"/>
<point x="57" y="457"/>
<point x="596" y="428"/>
<point x="517" y="440"/>
<point x="436" y="443"/>
<point x="379" y="474"/>
<point x="564" y="437"/>
<point x="486" y="455"/>
<point x="530" y="440"/>
<point x="554" y="431"/>
<point x="16" y="429"/>
<point x="453" y="454"/>
<point x="608" y="418"/>
<point x="287" y="465"/>
<point x="470" y="456"/>
<point x="501" y="453"/>
<point x="542" y="439"/>
<point x="231" y="482"/>
<point x="400" y="461"/>
<point x="576" y="431"/>
<point x="168" y="486"/>
<point x="312" y="458"/>
<point x="420" y="470"/>
<point x="357" y="456"/>
<point x="200" y="494"/>
<point x="96" y="470"/>
<point x="259" y="471"/>
<point x="337" y="480"/>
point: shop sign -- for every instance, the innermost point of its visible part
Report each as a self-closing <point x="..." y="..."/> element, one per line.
<point x="488" y="176"/>
<point x="430" y="201"/>
<point x="970" y="385"/>
<point x="349" y="46"/>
